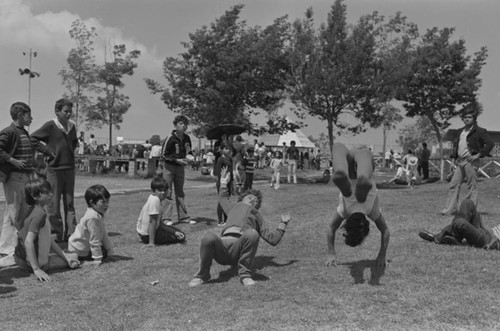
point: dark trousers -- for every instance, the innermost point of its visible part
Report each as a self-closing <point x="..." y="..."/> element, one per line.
<point x="165" y="234"/>
<point x="228" y="250"/>
<point x="423" y="169"/>
<point x="63" y="186"/>
<point x="248" y="181"/>
<point x="460" y="229"/>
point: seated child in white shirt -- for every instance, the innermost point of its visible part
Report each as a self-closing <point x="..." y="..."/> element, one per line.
<point x="90" y="239"/>
<point x="150" y="228"/>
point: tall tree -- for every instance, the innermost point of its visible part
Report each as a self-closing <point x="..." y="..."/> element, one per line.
<point x="228" y="73"/>
<point x="395" y="39"/>
<point x="442" y="80"/>
<point x="332" y="70"/>
<point x="112" y="105"/>
<point x="79" y="76"/>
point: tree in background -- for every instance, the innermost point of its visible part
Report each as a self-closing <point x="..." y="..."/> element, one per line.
<point x="442" y="80"/>
<point x="228" y="73"/>
<point x="395" y="39"/>
<point x="413" y="135"/>
<point x="333" y="69"/>
<point x="80" y="75"/>
<point x="111" y="104"/>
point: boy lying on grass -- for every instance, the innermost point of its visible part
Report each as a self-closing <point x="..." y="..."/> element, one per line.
<point x="354" y="207"/>
<point x="466" y="227"/>
<point x="36" y="250"/>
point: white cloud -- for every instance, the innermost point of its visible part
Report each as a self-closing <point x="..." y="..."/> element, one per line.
<point x="48" y="31"/>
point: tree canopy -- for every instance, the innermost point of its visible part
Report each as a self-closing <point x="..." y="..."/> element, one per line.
<point x="228" y="73"/>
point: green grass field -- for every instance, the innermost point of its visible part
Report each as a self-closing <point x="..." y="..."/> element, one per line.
<point x="424" y="287"/>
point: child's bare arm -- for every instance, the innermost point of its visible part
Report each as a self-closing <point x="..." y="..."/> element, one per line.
<point x="153" y="225"/>
<point x="380" y="261"/>
<point x="29" y="244"/>
<point x="334" y="225"/>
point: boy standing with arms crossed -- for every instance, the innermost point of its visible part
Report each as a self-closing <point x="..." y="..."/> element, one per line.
<point x="60" y="141"/>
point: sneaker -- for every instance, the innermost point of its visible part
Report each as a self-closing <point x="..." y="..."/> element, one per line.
<point x="221" y="223"/>
<point x="187" y="220"/>
<point x="168" y="222"/>
<point x="426" y="235"/>
<point x="195" y="282"/>
<point x="247" y="281"/>
<point x="449" y="240"/>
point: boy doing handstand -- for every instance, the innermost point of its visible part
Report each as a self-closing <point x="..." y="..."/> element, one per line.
<point x="149" y="226"/>
<point x="36" y="250"/>
<point x="354" y="207"/>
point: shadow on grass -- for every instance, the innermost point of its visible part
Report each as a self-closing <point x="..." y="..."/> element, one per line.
<point x="259" y="262"/>
<point x="386" y="186"/>
<point x="114" y="234"/>
<point x="206" y="220"/>
<point x="6" y="278"/>
<point x="357" y="269"/>
<point x="118" y="258"/>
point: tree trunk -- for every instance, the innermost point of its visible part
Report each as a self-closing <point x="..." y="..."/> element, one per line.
<point x="330" y="136"/>
<point x="384" y="133"/>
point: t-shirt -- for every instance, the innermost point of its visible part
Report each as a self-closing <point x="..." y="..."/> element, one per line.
<point x="152" y="207"/>
<point x="36" y="222"/>
<point x="349" y="205"/>
<point x="293" y="153"/>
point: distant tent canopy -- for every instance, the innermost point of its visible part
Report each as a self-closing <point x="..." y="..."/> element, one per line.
<point x="276" y="140"/>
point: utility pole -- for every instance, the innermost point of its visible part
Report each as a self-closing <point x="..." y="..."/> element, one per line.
<point x="31" y="74"/>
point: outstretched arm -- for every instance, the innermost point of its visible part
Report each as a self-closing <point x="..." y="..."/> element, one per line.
<point x="380" y="261"/>
<point x="334" y="225"/>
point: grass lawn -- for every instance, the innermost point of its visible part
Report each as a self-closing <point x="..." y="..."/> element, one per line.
<point x="424" y="287"/>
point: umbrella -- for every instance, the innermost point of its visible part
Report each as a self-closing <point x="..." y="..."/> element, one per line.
<point x="216" y="132"/>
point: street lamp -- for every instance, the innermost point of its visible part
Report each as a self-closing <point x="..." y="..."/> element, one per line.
<point x="31" y="74"/>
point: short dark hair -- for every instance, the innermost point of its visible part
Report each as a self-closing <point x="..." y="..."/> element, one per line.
<point x="292" y="142"/>
<point x="356" y="228"/>
<point x="250" y="150"/>
<point x="181" y="118"/>
<point x="257" y="194"/>
<point x="35" y="187"/>
<point x="158" y="183"/>
<point x="19" y="108"/>
<point x="226" y="144"/>
<point x="61" y="103"/>
<point x="424" y="144"/>
<point x="95" y="193"/>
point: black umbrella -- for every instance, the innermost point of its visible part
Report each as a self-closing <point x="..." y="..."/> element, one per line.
<point x="228" y="129"/>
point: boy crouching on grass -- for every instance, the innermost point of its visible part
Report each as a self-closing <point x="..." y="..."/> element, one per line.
<point x="36" y="250"/>
<point x="149" y="226"/>
<point x="239" y="240"/>
<point x="90" y="239"/>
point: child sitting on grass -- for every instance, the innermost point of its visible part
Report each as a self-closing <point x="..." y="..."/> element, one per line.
<point x="90" y="239"/>
<point x="36" y="250"/>
<point x="149" y="226"/>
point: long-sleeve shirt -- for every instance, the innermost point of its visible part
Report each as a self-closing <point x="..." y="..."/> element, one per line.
<point x="57" y="141"/>
<point x="242" y="216"/>
<point x="90" y="234"/>
<point x="176" y="148"/>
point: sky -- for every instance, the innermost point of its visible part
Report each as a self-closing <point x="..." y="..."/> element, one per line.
<point x="157" y="28"/>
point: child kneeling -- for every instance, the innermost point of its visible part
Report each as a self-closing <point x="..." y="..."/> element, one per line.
<point x="36" y="250"/>
<point x="90" y="239"/>
<point x="150" y="228"/>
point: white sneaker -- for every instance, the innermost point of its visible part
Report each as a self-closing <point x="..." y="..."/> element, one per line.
<point x="247" y="281"/>
<point x="195" y="282"/>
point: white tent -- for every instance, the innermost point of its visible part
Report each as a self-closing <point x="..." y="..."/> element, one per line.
<point x="298" y="136"/>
